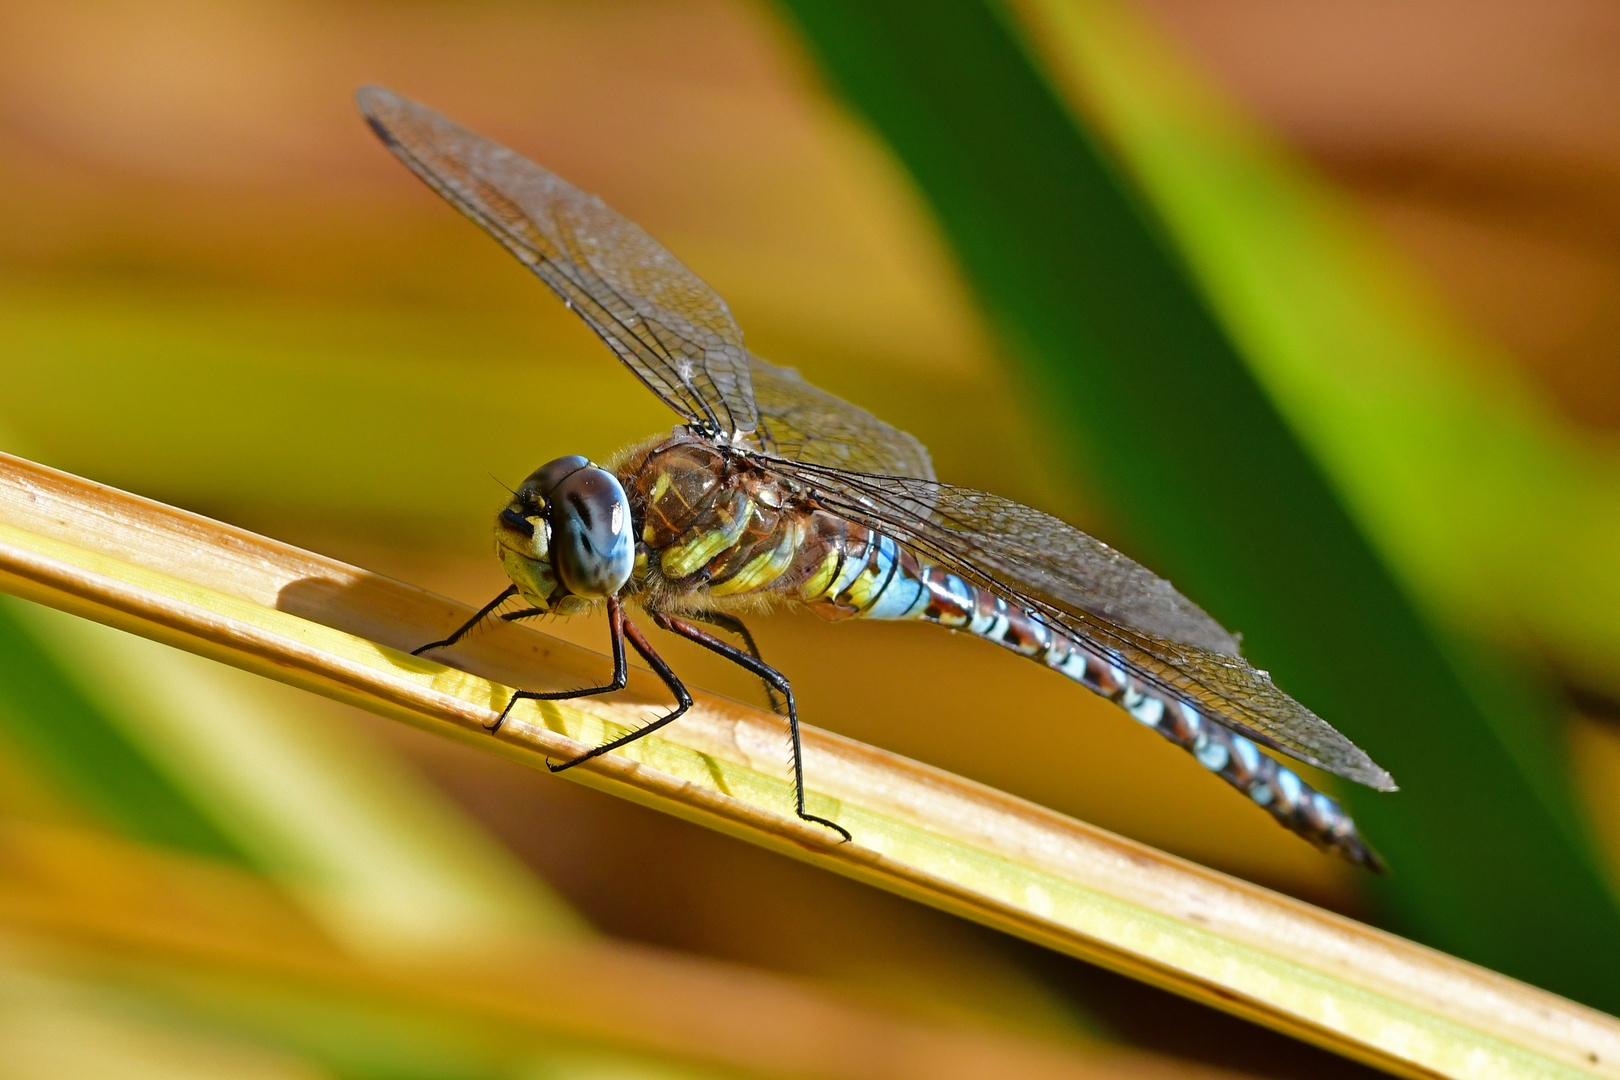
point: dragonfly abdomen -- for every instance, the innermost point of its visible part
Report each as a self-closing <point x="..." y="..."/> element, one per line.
<point x="891" y="584"/>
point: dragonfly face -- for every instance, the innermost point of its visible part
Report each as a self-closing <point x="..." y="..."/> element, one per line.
<point x="567" y="532"/>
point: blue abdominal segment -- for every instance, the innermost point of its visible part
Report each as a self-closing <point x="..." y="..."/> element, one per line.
<point x="890" y="584"/>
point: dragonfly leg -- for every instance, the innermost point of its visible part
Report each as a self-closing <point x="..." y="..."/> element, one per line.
<point x="526" y="613"/>
<point x="466" y="627"/>
<point x="623" y="629"/>
<point x="621" y="672"/>
<point x="733" y="625"/>
<point x="772" y="678"/>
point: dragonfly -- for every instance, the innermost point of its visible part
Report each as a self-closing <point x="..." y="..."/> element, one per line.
<point x="772" y="492"/>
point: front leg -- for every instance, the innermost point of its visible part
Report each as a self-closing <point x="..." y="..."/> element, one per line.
<point x="479" y="616"/>
<point x="683" y="699"/>
<point x="621" y="671"/>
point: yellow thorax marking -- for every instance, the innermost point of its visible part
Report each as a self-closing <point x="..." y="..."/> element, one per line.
<point x="685" y="559"/>
<point x="660" y="486"/>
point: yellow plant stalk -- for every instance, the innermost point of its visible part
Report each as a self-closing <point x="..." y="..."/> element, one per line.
<point x="338" y="630"/>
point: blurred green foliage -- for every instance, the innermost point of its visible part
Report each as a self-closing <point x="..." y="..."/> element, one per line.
<point x="1502" y="517"/>
<point x="76" y="746"/>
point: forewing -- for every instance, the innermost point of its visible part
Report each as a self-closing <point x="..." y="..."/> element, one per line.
<point x="801" y="422"/>
<point x="1080" y="585"/>
<point x="670" y="328"/>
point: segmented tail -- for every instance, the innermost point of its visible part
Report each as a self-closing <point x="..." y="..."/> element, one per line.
<point x="880" y="580"/>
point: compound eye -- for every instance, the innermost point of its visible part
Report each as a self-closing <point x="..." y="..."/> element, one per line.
<point x="545" y="479"/>
<point x="592" y="546"/>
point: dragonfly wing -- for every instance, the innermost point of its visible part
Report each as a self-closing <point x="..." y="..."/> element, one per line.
<point x="800" y="422"/>
<point x="1084" y="587"/>
<point x="667" y="326"/>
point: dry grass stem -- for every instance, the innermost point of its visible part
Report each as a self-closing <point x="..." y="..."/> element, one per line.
<point x="341" y="631"/>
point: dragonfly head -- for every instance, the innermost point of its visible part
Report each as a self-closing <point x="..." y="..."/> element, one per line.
<point x="567" y="532"/>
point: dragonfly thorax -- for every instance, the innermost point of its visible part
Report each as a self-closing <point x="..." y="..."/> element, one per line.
<point x="712" y="522"/>
<point x="567" y="532"/>
<point x="675" y="486"/>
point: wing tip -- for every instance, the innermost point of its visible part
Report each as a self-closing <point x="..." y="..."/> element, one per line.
<point x="1354" y="764"/>
<point x="1371" y="774"/>
<point x="372" y="98"/>
<point x="374" y="101"/>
